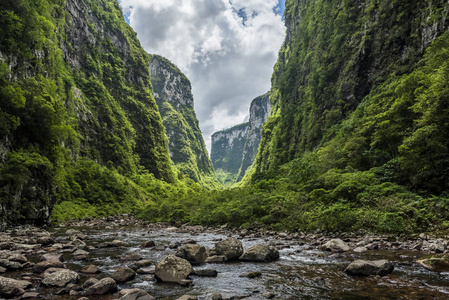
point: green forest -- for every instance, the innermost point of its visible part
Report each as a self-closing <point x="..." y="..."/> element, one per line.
<point x="357" y="138"/>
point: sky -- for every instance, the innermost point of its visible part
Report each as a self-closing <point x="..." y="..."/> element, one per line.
<point x="227" y="48"/>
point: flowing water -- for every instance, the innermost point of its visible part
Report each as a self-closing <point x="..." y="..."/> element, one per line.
<point x="302" y="272"/>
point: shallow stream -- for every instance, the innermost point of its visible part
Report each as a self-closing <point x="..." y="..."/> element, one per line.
<point x="302" y="272"/>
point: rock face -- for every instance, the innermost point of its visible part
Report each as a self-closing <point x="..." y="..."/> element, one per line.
<point x="230" y="248"/>
<point x="173" y="269"/>
<point x="336" y="245"/>
<point x="234" y="149"/>
<point x="106" y="112"/>
<point x="262" y="253"/>
<point x="367" y="268"/>
<point x="172" y="91"/>
<point x="195" y="254"/>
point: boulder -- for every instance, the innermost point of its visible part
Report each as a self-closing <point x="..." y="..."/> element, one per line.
<point x="231" y="248"/>
<point x="12" y="288"/>
<point x="173" y="269"/>
<point x="262" y="253"/>
<point x="52" y="257"/>
<point x="80" y="254"/>
<point x="104" y="286"/>
<point x="134" y="294"/>
<point x="44" y="265"/>
<point x="195" y="254"/>
<point x="148" y="244"/>
<point x="61" y="278"/>
<point x="367" y="268"/>
<point x="123" y="275"/>
<point x="336" y="245"/>
<point x="90" y="269"/>
<point x="90" y="282"/>
<point x="18" y="258"/>
<point x="131" y="257"/>
<point x="10" y="265"/>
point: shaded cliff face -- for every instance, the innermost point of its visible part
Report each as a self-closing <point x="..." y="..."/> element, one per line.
<point x="234" y="149"/>
<point x="172" y="91"/>
<point x="74" y="87"/>
<point x="338" y="60"/>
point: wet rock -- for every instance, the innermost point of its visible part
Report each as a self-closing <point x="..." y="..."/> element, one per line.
<point x="148" y="244"/>
<point x="335" y="245"/>
<point x="360" y="249"/>
<point x="159" y="248"/>
<point x="436" y="263"/>
<point x="150" y="270"/>
<point x="45" y="240"/>
<point x="367" y="268"/>
<point x="173" y="269"/>
<point x="90" y="282"/>
<point x="216" y="259"/>
<point x="205" y="273"/>
<point x="114" y="243"/>
<point x="44" y="265"/>
<point x="18" y="258"/>
<point x="61" y="278"/>
<point x="83" y="298"/>
<point x="187" y="297"/>
<point x="231" y="248"/>
<point x="185" y="282"/>
<point x="80" y="254"/>
<point x="30" y="295"/>
<point x="104" y="286"/>
<point x="123" y="275"/>
<point x="269" y="295"/>
<point x="195" y="254"/>
<point x="10" y="265"/>
<point x="11" y="287"/>
<point x="261" y="253"/>
<point x="251" y="275"/>
<point x="131" y="257"/>
<point x="2" y="270"/>
<point x="90" y="269"/>
<point x="143" y="263"/>
<point x="217" y="296"/>
<point x="135" y="294"/>
<point x="372" y="246"/>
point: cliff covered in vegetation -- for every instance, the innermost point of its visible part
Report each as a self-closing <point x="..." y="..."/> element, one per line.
<point x="77" y="113"/>
<point x="172" y="91"/>
<point x="234" y="149"/>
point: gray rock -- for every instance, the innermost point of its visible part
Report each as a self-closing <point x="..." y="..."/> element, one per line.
<point x="231" y="248"/>
<point x="61" y="278"/>
<point x="44" y="265"/>
<point x="10" y="265"/>
<point x="104" y="286"/>
<point x="173" y="269"/>
<point x="135" y="294"/>
<point x="11" y="287"/>
<point x="2" y="270"/>
<point x="148" y="244"/>
<point x="195" y="254"/>
<point x="261" y="253"/>
<point x="335" y="245"/>
<point x="251" y="275"/>
<point x="217" y="296"/>
<point x="90" y="269"/>
<point x="131" y="257"/>
<point x="216" y="259"/>
<point x="90" y="282"/>
<point x="360" y="249"/>
<point x="123" y="275"/>
<point x="30" y="295"/>
<point x="205" y="273"/>
<point x="367" y="268"/>
<point x="187" y="297"/>
<point x="18" y="258"/>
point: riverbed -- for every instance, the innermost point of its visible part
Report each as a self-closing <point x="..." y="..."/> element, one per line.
<point x="302" y="272"/>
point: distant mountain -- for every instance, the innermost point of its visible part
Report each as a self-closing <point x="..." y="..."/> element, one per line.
<point x="234" y="149"/>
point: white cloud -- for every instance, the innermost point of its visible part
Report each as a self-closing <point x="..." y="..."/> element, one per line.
<point x="227" y="48"/>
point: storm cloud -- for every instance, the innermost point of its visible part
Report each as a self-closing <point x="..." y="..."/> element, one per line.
<point x="227" y="48"/>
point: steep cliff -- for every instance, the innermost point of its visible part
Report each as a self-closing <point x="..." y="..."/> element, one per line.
<point x="172" y="91"/>
<point x="340" y="89"/>
<point x="75" y="97"/>
<point x="234" y="149"/>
